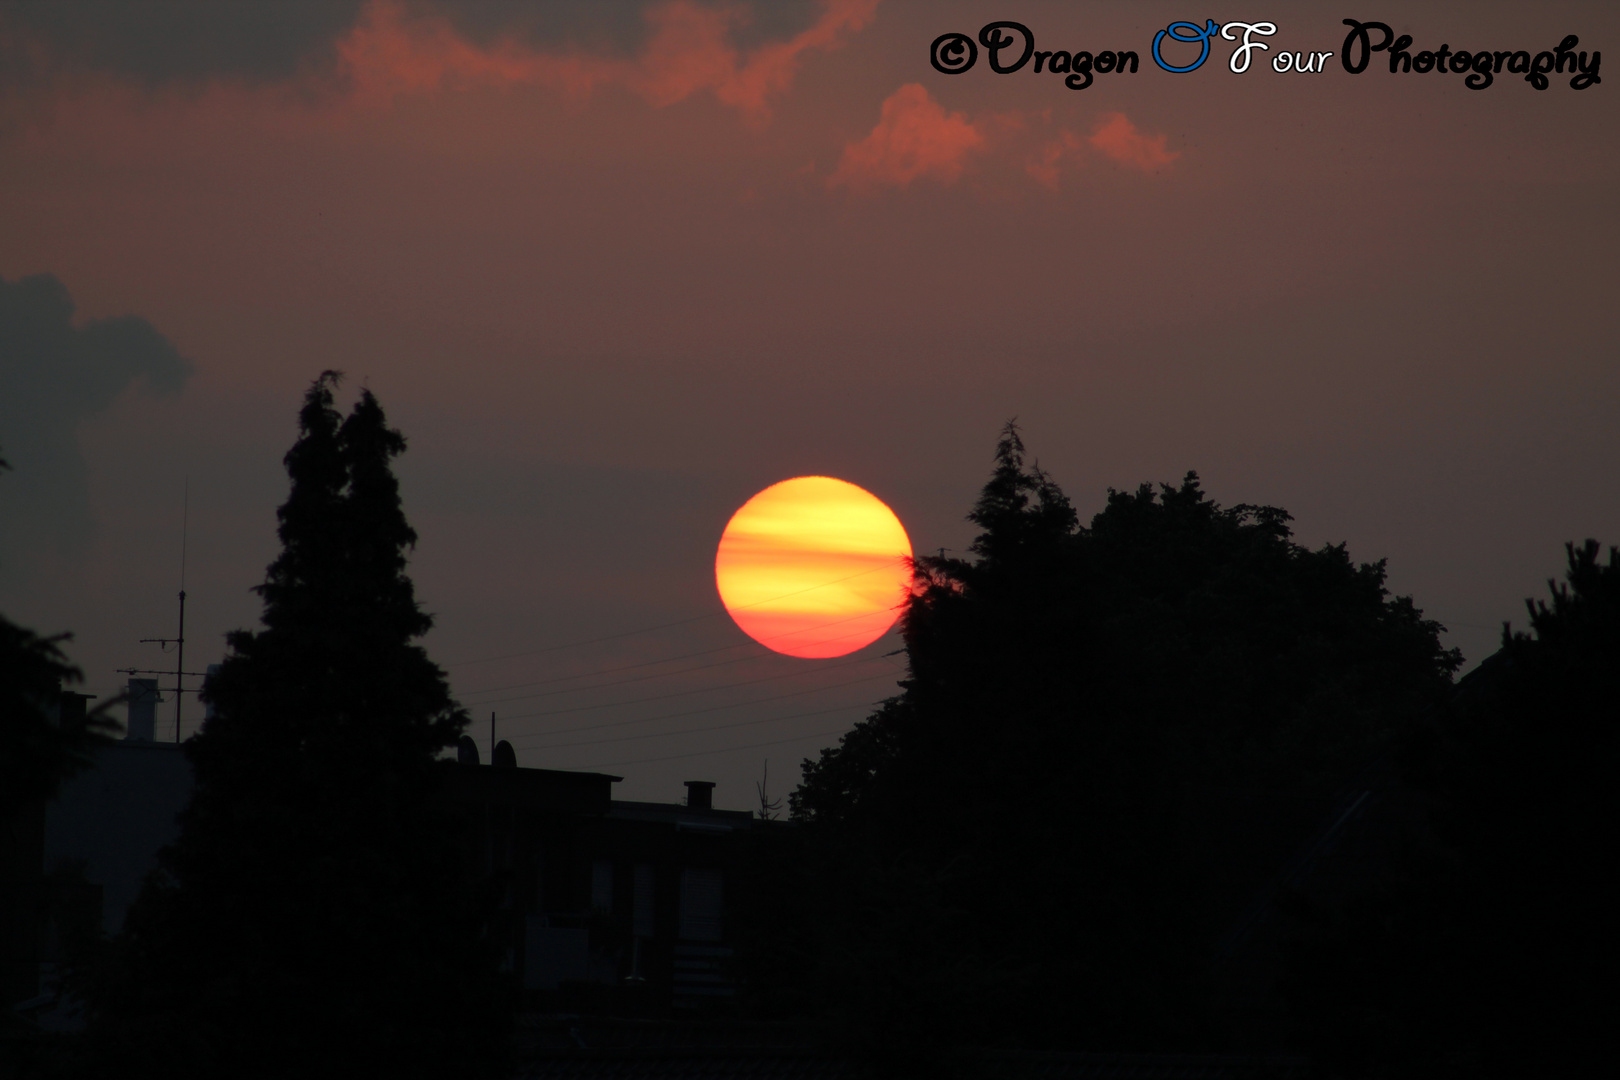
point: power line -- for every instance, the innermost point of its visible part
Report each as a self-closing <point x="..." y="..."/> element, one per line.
<point x="704" y="690"/>
<point x="616" y="682"/>
<point x="687" y="731"/>
<point x="579" y="644"/>
<point x="694" y="731"/>
<point x="659" y="675"/>
<point x="623" y="667"/>
<point x="661" y="626"/>
<point x="696" y="712"/>
<point x="700" y="753"/>
<point x="672" y="659"/>
<point x="674" y="693"/>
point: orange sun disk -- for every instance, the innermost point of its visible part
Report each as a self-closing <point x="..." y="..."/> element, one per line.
<point x="814" y="567"/>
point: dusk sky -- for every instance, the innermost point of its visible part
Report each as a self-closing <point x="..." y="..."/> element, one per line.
<point x="615" y="268"/>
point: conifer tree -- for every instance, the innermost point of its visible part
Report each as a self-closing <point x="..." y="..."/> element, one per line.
<point x="311" y="913"/>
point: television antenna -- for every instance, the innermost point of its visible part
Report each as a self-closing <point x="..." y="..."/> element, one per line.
<point x="179" y="640"/>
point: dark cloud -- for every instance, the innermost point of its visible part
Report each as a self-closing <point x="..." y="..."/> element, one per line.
<point x="53" y="375"/>
<point x="594" y="26"/>
<point x="181" y="41"/>
<point x="160" y="41"/>
<point x="603" y="26"/>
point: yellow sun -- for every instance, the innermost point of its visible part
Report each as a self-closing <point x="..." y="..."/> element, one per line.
<point x="814" y="567"/>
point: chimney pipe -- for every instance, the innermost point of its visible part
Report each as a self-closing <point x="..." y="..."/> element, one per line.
<point x="143" y="700"/>
<point x="700" y="794"/>
<point x="71" y="708"/>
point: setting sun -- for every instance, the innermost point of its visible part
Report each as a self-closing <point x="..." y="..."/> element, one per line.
<point x="814" y="567"/>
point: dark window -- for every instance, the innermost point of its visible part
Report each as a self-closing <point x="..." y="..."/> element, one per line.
<point x="642" y="909"/>
<point x="601" y="885"/>
<point x="701" y="900"/>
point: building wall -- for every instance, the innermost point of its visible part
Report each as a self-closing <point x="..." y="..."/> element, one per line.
<point x="111" y="820"/>
<point x="602" y="902"/>
<point x="22" y="842"/>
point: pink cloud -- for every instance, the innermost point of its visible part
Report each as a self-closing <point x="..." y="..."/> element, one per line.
<point x="914" y="137"/>
<point x="1044" y="167"/>
<point x="1117" y="137"/>
<point x="391" y="52"/>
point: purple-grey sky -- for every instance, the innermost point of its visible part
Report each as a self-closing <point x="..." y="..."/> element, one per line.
<point x="615" y="268"/>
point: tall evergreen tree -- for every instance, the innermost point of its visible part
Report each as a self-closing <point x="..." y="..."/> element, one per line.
<point x="312" y="913"/>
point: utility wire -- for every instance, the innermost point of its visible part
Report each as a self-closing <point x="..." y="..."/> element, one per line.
<point x="661" y="626"/>
<point x="624" y="667"/>
<point x="700" y="753"/>
<point x="671" y="660"/>
<point x="695" y="731"/>
<point x="579" y="644"/>
<point x="684" y="693"/>
<point x="661" y="674"/>
<point x="692" y="712"/>
<point x="625" y="682"/>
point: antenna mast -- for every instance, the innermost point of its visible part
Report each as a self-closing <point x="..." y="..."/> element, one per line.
<point x="179" y="642"/>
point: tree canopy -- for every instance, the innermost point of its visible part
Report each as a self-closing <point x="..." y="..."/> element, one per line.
<point x="1074" y="695"/>
<point x="41" y="743"/>
<point x="1488" y="950"/>
<point x="312" y="911"/>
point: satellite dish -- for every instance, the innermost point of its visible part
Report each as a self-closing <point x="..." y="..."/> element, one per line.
<point x="466" y="751"/>
<point x="504" y="756"/>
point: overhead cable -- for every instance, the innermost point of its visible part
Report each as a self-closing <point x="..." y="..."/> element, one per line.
<point x="661" y="626"/>
<point x="729" y="749"/>
<point x="697" y="730"/>
<point x="693" y="712"/>
<point x="665" y="674"/>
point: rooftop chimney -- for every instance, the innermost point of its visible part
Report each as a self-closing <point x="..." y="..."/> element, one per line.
<point x="700" y="794"/>
<point x="71" y="708"/>
<point x="143" y="701"/>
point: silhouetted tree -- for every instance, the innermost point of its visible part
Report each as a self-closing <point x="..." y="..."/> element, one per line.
<point x="1491" y="950"/>
<point x="46" y="736"/>
<point x="41" y="743"/>
<point x="1001" y="854"/>
<point x="312" y="914"/>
